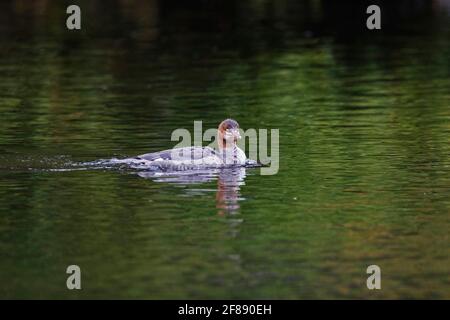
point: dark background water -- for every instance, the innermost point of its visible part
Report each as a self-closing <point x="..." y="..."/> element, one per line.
<point x="364" y="149"/>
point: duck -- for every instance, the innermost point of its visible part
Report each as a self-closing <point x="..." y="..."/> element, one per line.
<point x="228" y="153"/>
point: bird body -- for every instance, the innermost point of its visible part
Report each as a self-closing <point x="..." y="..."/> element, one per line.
<point x="227" y="155"/>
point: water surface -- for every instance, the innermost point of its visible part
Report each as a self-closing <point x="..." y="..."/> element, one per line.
<point x="364" y="150"/>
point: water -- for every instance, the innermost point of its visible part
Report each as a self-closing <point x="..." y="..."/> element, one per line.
<point x="364" y="151"/>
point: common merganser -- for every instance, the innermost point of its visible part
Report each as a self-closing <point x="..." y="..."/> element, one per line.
<point x="228" y="154"/>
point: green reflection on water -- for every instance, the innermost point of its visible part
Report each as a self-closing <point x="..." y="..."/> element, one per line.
<point x="364" y="160"/>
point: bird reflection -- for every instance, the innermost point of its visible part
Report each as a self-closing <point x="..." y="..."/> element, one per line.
<point x="229" y="181"/>
<point x="228" y="187"/>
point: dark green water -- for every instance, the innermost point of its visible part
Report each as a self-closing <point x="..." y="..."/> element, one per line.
<point x="364" y="177"/>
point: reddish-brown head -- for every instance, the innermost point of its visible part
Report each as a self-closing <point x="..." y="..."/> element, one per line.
<point x="228" y="133"/>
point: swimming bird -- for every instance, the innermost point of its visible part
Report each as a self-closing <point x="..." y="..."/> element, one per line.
<point x="227" y="155"/>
